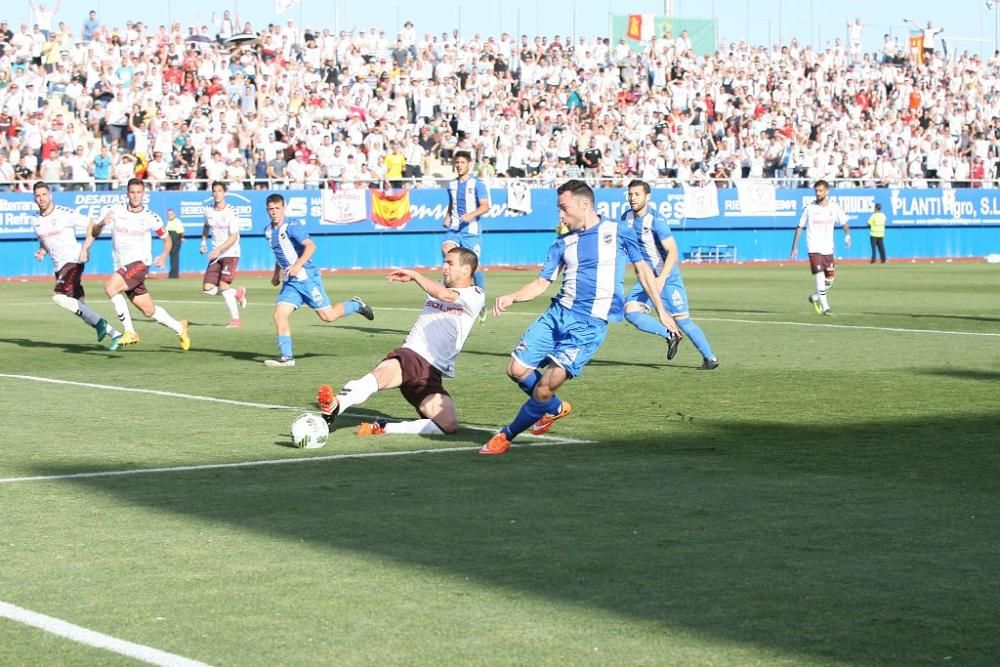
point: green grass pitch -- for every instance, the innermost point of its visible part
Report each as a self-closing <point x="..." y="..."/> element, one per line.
<point x="828" y="496"/>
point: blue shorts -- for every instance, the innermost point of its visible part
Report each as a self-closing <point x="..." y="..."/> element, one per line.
<point x="309" y="292"/>
<point x="562" y="337"/>
<point x="462" y="240"/>
<point x="673" y="296"/>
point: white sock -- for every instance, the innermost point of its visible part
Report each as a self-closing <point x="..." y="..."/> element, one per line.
<point x="821" y="290"/>
<point x="121" y="309"/>
<point x="77" y="307"/>
<point x="163" y="317"/>
<point x="357" y="391"/>
<point x="229" y="296"/>
<point x="417" y="426"/>
<point x="88" y="316"/>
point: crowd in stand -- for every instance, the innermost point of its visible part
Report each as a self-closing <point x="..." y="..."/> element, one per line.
<point x="282" y="106"/>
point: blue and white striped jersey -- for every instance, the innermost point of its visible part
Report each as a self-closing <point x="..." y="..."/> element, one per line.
<point x="464" y="197"/>
<point x="288" y="242"/>
<point x="593" y="264"/>
<point x="651" y="230"/>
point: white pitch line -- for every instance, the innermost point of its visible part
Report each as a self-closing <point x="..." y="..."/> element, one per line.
<point x="81" y="635"/>
<point x="245" y="404"/>
<point x="274" y="462"/>
<point x="707" y="319"/>
<point x="850" y="326"/>
<point x="543" y="440"/>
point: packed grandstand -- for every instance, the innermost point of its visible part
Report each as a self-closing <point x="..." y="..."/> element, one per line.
<point x="285" y="106"/>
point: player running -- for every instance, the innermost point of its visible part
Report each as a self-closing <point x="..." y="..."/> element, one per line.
<point x="820" y="218"/>
<point x="300" y="281"/>
<point x="55" y="227"/>
<point x="468" y="200"/>
<point x="592" y="258"/>
<point x="427" y="354"/>
<point x="221" y="220"/>
<point x="659" y="249"/>
<point x="131" y="224"/>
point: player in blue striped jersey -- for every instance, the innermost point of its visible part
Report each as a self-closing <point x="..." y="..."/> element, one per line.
<point x="592" y="258"/>
<point x="468" y="201"/>
<point x="659" y="249"/>
<point x="300" y="280"/>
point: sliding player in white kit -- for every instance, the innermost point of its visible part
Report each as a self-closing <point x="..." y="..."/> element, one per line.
<point x="427" y="354"/>
<point x="55" y="227"/>
<point x="223" y="223"/>
<point x="820" y="218"/>
<point x="131" y="224"/>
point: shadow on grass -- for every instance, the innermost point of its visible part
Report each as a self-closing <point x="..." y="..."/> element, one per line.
<point x="962" y="373"/>
<point x="74" y="348"/>
<point x="869" y="543"/>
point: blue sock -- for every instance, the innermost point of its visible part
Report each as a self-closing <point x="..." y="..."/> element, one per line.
<point x="285" y="345"/>
<point x="530" y="412"/>
<point x="646" y="323"/>
<point x="527" y="384"/>
<point x="350" y="307"/>
<point x="697" y="336"/>
<point x="479" y="280"/>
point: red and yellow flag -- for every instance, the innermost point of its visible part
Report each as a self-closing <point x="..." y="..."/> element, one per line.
<point x="640" y="27"/>
<point x="390" y="209"/>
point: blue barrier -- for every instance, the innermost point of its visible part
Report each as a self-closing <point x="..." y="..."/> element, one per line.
<point x="921" y="223"/>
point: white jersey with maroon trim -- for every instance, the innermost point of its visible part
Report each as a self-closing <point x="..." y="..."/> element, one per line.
<point x="820" y="221"/>
<point x="441" y="328"/>
<point x="223" y="224"/>
<point x="130" y="240"/>
<point x="57" y="232"/>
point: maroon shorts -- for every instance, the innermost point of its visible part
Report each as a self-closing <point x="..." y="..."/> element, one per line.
<point x="135" y="279"/>
<point x="221" y="271"/>
<point x="420" y="378"/>
<point x="821" y="263"/>
<point x="68" y="280"/>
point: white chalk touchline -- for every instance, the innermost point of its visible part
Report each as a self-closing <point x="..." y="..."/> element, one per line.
<point x="850" y="326"/>
<point x="861" y="327"/>
<point x="542" y="440"/>
<point x="76" y="633"/>
<point x="274" y="462"/>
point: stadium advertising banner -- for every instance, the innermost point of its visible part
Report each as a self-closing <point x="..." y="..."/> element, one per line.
<point x="349" y="212"/>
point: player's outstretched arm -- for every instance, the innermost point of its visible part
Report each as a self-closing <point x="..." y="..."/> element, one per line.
<point x="433" y="288"/>
<point x="528" y="292"/>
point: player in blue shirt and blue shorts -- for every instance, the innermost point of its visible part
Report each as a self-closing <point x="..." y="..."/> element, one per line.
<point x="300" y="280"/>
<point x="659" y="249"/>
<point x="468" y="200"/>
<point x="592" y="258"/>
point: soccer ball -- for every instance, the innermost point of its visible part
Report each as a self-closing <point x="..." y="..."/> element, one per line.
<point x="310" y="431"/>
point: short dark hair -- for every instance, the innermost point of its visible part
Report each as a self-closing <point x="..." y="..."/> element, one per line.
<point x="225" y="188"/>
<point x="466" y="257"/>
<point x="135" y="181"/>
<point x="466" y="154"/>
<point x="275" y="199"/>
<point x="40" y="185"/>
<point x="639" y="183"/>
<point x="577" y="189"/>
<point x="878" y="207"/>
<point x="821" y="182"/>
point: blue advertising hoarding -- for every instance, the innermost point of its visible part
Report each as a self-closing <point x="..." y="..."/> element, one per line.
<point x="922" y="223"/>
